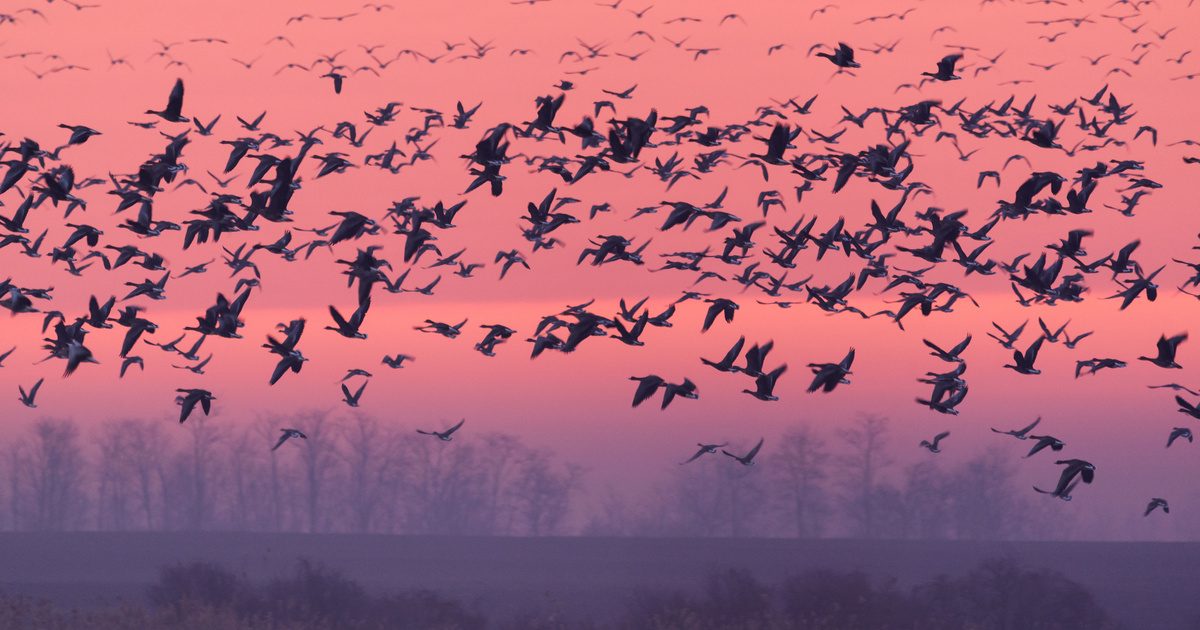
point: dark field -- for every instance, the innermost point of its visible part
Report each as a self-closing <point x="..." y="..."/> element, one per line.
<point x="1141" y="585"/>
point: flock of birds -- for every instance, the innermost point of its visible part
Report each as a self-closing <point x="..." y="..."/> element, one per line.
<point x="743" y="253"/>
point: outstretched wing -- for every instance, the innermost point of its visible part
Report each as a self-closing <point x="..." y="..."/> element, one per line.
<point x="175" y="100"/>
<point x="754" y="451"/>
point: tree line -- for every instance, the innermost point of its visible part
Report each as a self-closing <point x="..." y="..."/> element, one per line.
<point x="358" y="474"/>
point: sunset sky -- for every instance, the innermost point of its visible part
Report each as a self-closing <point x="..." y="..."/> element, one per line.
<point x="579" y="404"/>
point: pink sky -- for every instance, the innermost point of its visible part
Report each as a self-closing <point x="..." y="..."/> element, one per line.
<point x="579" y="404"/>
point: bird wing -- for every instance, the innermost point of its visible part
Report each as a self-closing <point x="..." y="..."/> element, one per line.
<point x="1032" y="352"/>
<point x="711" y="316"/>
<point x="646" y="388"/>
<point x="933" y="346"/>
<point x="175" y="100"/>
<point x="734" y="351"/>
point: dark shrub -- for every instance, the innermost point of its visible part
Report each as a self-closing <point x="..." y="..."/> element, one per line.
<point x="849" y="601"/>
<point x="315" y="593"/>
<point x="660" y="610"/>
<point x="425" y="609"/>
<point x="200" y="584"/>
<point x="312" y="597"/>
<point x="734" y="598"/>
<point x="1000" y="595"/>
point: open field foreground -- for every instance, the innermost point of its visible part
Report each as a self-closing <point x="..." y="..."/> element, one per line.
<point x="1141" y="585"/>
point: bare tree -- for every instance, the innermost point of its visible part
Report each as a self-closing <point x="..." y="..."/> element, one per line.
<point x="712" y="497"/>
<point x="15" y="469"/>
<point x="924" y="513"/>
<point x="114" y="479"/>
<point x="503" y="451"/>
<point x="983" y="502"/>
<point x="865" y="458"/>
<point x="443" y="492"/>
<point x="197" y="472"/>
<point x="249" y="494"/>
<point x="799" y="463"/>
<point x="268" y="428"/>
<point x="357" y="476"/>
<point x="543" y="494"/>
<point x="318" y="457"/>
<point x="147" y="445"/>
<point x="373" y="465"/>
<point x="54" y="468"/>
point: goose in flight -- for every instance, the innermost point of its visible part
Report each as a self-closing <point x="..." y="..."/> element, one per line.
<point x="1073" y="468"/>
<point x="1065" y="495"/>
<point x="397" y="361"/>
<point x="829" y="375"/>
<point x="718" y="306"/>
<point x="1155" y="504"/>
<point x="352" y="399"/>
<point x="440" y="328"/>
<point x="945" y="69"/>
<point x="190" y="398"/>
<point x="446" y="435"/>
<point x="290" y="359"/>
<point x="631" y="336"/>
<point x="1094" y="365"/>
<point x="29" y="398"/>
<point x="941" y="403"/>
<point x="764" y="384"/>
<point x="1052" y="336"/>
<point x="755" y="357"/>
<point x="951" y="355"/>
<point x="1023" y="361"/>
<point x="1044" y="441"/>
<point x="842" y="57"/>
<point x="510" y="258"/>
<point x="1022" y="433"/>
<point x="197" y="368"/>
<point x="1176" y="387"/>
<point x="129" y="361"/>
<point x="1178" y="433"/>
<point x="1188" y="408"/>
<point x="1070" y="342"/>
<point x="748" y="458"/>
<point x="79" y="133"/>
<point x="648" y="385"/>
<point x="1009" y="338"/>
<point x="287" y="435"/>
<point x="349" y="328"/>
<point x="935" y="445"/>
<point x="173" y="112"/>
<point x="1167" y="347"/>
<point x="352" y="372"/>
<point x="726" y="364"/>
<point x="705" y="449"/>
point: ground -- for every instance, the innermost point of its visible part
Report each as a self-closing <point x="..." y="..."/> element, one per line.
<point x="1142" y="585"/>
